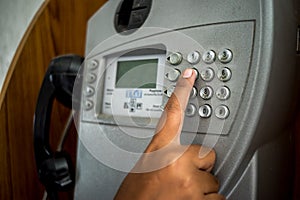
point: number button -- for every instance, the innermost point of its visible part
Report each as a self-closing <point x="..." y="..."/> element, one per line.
<point x="224" y="74"/>
<point x="193" y="57"/>
<point x="205" y="111"/>
<point x="209" y="57"/>
<point x="196" y="72"/>
<point x="193" y="93"/>
<point x="207" y="74"/>
<point x="206" y="92"/>
<point x="190" y="110"/>
<point x="225" y="56"/>
<point x="223" y="93"/>
<point x="222" y="112"/>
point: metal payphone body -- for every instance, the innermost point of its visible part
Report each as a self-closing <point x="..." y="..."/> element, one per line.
<point x="245" y="54"/>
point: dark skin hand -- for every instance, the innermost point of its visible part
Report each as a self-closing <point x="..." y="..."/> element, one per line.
<point x="167" y="169"/>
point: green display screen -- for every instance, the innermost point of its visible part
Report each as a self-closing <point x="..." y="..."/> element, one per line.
<point x="137" y="73"/>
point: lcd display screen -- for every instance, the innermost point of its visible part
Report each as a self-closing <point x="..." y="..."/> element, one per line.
<point x="137" y="73"/>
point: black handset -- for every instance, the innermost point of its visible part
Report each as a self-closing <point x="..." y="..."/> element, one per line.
<point x="55" y="169"/>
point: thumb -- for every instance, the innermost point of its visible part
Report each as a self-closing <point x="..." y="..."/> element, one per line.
<point x="170" y="124"/>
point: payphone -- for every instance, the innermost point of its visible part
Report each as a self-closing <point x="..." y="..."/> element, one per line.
<point x="244" y="52"/>
<point x="245" y="55"/>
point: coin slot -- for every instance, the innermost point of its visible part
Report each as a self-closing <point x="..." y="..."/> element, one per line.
<point x="131" y="14"/>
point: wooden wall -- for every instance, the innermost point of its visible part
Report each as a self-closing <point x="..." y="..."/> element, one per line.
<point x="58" y="29"/>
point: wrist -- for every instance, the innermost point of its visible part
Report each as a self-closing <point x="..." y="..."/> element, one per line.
<point x="137" y="187"/>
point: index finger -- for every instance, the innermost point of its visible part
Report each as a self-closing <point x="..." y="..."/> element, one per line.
<point x="171" y="121"/>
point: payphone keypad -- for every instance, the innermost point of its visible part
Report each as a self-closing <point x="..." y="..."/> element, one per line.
<point x="207" y="74"/>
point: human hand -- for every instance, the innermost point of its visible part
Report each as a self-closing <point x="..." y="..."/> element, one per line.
<point x="178" y="171"/>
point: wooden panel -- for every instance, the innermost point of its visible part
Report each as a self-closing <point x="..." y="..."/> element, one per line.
<point x="21" y="98"/>
<point x="5" y="175"/>
<point x="60" y="29"/>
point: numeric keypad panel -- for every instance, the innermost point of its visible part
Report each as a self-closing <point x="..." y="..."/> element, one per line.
<point x="210" y="98"/>
<point x="207" y="74"/>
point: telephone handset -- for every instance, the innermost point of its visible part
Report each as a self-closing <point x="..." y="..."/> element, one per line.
<point x="55" y="169"/>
